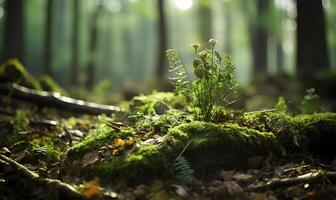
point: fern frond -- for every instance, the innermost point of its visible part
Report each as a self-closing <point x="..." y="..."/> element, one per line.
<point x="183" y="171"/>
<point x="181" y="79"/>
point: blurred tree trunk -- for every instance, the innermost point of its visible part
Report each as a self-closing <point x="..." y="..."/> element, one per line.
<point x="228" y="32"/>
<point x="162" y="41"/>
<point x="48" y="38"/>
<point x="74" y="73"/>
<point x="279" y="57"/>
<point x="91" y="68"/>
<point x="14" y="30"/>
<point x="259" y="38"/>
<point x="205" y="21"/>
<point x="312" y="54"/>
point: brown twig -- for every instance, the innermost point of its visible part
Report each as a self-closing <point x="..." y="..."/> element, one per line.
<point x="306" y="178"/>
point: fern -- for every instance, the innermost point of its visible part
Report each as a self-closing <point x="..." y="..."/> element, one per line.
<point x="181" y="79"/>
<point x="183" y="171"/>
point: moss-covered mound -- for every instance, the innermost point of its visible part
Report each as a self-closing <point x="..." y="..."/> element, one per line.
<point x="13" y="71"/>
<point x="314" y="133"/>
<point x="212" y="146"/>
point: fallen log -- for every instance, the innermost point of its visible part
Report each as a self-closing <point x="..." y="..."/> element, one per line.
<point x="54" y="99"/>
<point x="65" y="190"/>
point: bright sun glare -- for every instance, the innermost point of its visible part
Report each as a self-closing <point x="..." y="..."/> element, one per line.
<point x="183" y="4"/>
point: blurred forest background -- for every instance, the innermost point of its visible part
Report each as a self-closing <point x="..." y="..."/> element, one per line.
<point x="120" y="45"/>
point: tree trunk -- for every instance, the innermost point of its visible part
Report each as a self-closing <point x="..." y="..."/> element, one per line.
<point x="279" y="57"/>
<point x="162" y="41"/>
<point x="205" y="21"/>
<point x="91" y="69"/>
<point x="312" y="53"/>
<point x="48" y="38"/>
<point x="259" y="39"/>
<point x="14" y="30"/>
<point x="74" y="73"/>
<point x="228" y="32"/>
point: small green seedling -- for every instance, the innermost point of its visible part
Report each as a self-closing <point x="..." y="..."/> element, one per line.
<point x="281" y="106"/>
<point x="214" y="85"/>
<point x="309" y="103"/>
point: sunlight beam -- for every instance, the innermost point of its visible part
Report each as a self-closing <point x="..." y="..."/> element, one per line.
<point x="183" y="4"/>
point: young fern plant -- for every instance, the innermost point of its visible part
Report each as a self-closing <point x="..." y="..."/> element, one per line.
<point x="214" y="85"/>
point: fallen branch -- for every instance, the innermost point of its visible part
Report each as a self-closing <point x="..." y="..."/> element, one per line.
<point x="67" y="191"/>
<point x="306" y="178"/>
<point x="53" y="99"/>
<point x="260" y="111"/>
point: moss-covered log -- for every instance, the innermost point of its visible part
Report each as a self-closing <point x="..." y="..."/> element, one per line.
<point x="56" y="100"/>
<point x="212" y="146"/>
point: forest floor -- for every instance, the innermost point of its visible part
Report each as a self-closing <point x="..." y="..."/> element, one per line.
<point x="49" y="153"/>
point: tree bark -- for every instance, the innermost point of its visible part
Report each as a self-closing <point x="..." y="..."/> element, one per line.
<point x="14" y="30"/>
<point x="74" y="73"/>
<point x="259" y="39"/>
<point x="312" y="53"/>
<point x="162" y="41"/>
<point x="48" y="38"/>
<point x="91" y="69"/>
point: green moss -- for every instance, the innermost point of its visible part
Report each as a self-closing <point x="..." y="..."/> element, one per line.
<point x="303" y="133"/>
<point x="45" y="148"/>
<point x="161" y="123"/>
<point x="20" y="124"/>
<point x="13" y="71"/>
<point x="146" y="103"/>
<point x="99" y="135"/>
<point x="147" y="162"/>
<point x="48" y="84"/>
<point x="317" y="133"/>
<point x="212" y="146"/>
<point x="216" y="146"/>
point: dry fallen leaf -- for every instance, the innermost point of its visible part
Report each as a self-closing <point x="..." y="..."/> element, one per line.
<point x="129" y="142"/>
<point x="92" y="188"/>
<point x="116" y="152"/>
<point x="119" y="142"/>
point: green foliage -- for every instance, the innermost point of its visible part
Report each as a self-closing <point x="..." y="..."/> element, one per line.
<point x="19" y="122"/>
<point x="45" y="148"/>
<point x="183" y="171"/>
<point x="214" y="86"/>
<point x="281" y="106"/>
<point x="160" y="124"/>
<point x="309" y="103"/>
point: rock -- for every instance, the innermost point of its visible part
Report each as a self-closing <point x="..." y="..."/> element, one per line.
<point x="180" y="190"/>
<point x="160" y="108"/>
<point x="5" y="151"/>
<point x="141" y="191"/>
<point x="233" y="188"/>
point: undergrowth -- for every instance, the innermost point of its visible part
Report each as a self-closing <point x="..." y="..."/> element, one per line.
<point x="214" y="84"/>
